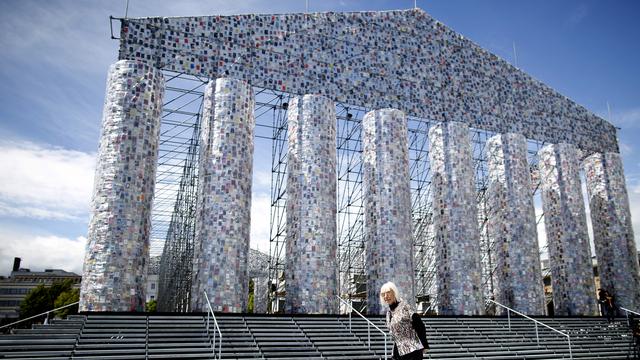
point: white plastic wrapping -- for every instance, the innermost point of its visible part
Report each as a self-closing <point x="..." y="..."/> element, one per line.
<point x="115" y="265"/>
<point x="511" y="226"/>
<point x="455" y="214"/>
<point x="612" y="228"/>
<point x="387" y="205"/>
<point x="311" y="261"/>
<point x="565" y="223"/>
<point x="223" y="222"/>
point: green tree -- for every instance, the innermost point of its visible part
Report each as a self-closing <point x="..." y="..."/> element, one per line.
<point x="36" y="302"/>
<point x="152" y="306"/>
<point x="67" y="297"/>
<point x="42" y="298"/>
<point x="250" y="302"/>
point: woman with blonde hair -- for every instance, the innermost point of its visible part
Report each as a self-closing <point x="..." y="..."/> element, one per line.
<point x="405" y="326"/>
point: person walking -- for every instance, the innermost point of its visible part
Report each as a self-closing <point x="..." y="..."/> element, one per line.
<point x="602" y="301"/>
<point x="611" y="307"/>
<point x="405" y="326"/>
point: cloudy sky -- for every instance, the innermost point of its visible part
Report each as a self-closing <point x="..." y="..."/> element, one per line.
<point x="55" y="55"/>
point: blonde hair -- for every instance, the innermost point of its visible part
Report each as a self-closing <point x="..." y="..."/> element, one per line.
<point x="389" y="286"/>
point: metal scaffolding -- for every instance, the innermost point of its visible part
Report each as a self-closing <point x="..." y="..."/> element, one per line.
<point x="173" y="220"/>
<point x="174" y="208"/>
<point x="350" y="222"/>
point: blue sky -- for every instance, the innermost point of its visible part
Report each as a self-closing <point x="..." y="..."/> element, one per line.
<point x="55" y="55"/>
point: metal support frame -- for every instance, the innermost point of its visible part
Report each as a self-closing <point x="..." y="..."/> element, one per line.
<point x="173" y="226"/>
<point x="174" y="207"/>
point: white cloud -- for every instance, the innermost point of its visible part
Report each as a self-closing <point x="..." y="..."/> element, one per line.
<point x="629" y="118"/>
<point x="55" y="59"/>
<point x="43" y="182"/>
<point x="577" y="15"/>
<point x="261" y="180"/>
<point x="625" y="149"/>
<point x="39" y="252"/>
<point x="260" y="220"/>
<point x="634" y="204"/>
<point x="10" y="210"/>
<point x="624" y="119"/>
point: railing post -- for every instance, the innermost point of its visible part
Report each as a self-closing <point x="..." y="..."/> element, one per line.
<point x="385" y="347"/>
<point x="537" y="338"/>
<point x="628" y="322"/>
<point x="570" y="354"/>
<point x="213" y="345"/>
<point x="369" y="335"/>
<point x="509" y="319"/>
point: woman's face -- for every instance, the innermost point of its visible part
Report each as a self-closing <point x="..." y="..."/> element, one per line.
<point x="389" y="297"/>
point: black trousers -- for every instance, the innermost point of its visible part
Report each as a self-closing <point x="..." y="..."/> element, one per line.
<point x="416" y="355"/>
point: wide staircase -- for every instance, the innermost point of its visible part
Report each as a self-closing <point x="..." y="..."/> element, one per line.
<point x="185" y="336"/>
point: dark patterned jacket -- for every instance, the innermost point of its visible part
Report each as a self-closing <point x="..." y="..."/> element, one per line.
<point x="400" y="326"/>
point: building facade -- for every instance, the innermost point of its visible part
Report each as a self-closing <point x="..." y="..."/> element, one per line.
<point x="15" y="288"/>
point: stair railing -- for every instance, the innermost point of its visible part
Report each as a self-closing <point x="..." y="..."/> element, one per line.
<point x="215" y="322"/>
<point x="44" y="313"/>
<point x="536" y="322"/>
<point x="370" y="324"/>
<point x="627" y="311"/>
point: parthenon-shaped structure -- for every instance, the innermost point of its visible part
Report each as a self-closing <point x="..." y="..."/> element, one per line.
<point x="400" y="66"/>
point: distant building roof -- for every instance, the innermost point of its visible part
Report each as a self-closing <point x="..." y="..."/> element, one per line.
<point x="52" y="274"/>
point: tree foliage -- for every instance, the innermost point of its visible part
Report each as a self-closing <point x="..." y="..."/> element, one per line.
<point x="66" y="298"/>
<point x="45" y="298"/>
<point x="251" y="297"/>
<point x="37" y="301"/>
<point x="151" y="306"/>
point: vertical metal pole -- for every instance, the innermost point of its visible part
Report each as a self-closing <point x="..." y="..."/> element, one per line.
<point x="627" y="313"/>
<point x="126" y="9"/>
<point x="570" y="354"/>
<point x="537" y="338"/>
<point x="385" y="347"/>
<point x="509" y="318"/>
<point x="350" y="321"/>
<point x="369" y="335"/>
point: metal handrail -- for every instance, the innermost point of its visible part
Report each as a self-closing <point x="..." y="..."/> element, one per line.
<point x="627" y="311"/>
<point x="536" y="323"/>
<point x="368" y="327"/>
<point x="44" y="313"/>
<point x="215" y="322"/>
